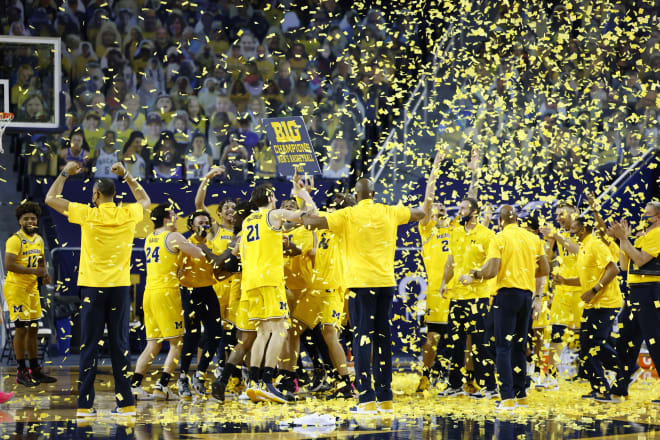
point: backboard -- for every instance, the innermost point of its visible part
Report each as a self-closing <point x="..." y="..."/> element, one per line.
<point x="31" y="83"/>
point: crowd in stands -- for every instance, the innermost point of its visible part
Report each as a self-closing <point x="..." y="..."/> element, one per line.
<point x="172" y="88"/>
<point x="552" y="89"/>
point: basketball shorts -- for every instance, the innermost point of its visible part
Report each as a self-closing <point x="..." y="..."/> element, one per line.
<point x="24" y="304"/>
<point x="231" y="311"/>
<point x="566" y="307"/>
<point x="324" y="307"/>
<point x="222" y="290"/>
<point x="241" y="319"/>
<point x="163" y="314"/>
<point x="437" y="307"/>
<point x="267" y="302"/>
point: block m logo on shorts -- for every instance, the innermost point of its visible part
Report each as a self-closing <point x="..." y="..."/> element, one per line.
<point x="178" y="324"/>
<point x="18" y="309"/>
<point x="282" y="305"/>
<point x="336" y="314"/>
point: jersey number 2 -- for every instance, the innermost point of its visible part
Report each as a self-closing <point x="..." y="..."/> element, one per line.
<point x="155" y="254"/>
<point x="253" y="233"/>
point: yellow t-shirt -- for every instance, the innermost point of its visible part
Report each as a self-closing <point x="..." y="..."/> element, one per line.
<point x="162" y="262"/>
<point x="469" y="250"/>
<point x="261" y="253"/>
<point x="326" y="272"/>
<point x="518" y="251"/>
<point x="107" y="233"/>
<point x="29" y="251"/>
<point x="93" y="137"/>
<point x="370" y="233"/>
<point x="567" y="261"/>
<point x="435" y="251"/>
<point x="593" y="258"/>
<point x="649" y="243"/>
<point x="294" y="272"/>
<point x="196" y="272"/>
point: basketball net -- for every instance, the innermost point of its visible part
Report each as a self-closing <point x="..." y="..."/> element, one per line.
<point x="5" y="119"/>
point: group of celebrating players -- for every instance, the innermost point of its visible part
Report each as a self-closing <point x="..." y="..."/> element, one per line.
<point x="263" y="280"/>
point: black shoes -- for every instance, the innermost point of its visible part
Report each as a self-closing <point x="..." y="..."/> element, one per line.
<point x="24" y="377"/>
<point x="39" y="376"/>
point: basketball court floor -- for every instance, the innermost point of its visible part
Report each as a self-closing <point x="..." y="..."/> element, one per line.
<point x="48" y="412"/>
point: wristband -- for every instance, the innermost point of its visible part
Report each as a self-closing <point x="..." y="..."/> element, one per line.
<point x="64" y="174"/>
<point x="593" y="289"/>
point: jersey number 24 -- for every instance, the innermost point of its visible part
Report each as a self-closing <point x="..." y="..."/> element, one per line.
<point x="155" y="254"/>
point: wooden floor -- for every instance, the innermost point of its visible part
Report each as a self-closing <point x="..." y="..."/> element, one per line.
<point x="48" y="412"/>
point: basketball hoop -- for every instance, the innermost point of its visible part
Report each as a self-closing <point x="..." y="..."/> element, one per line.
<point x="5" y="119"/>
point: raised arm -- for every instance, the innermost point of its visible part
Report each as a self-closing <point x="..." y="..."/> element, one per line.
<point x="429" y="194"/>
<point x="602" y="228"/>
<point x="138" y="192"/>
<point x="200" y="196"/>
<point x="54" y="197"/>
<point x="475" y="166"/>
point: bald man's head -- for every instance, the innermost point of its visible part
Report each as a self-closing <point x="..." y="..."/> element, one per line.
<point x="508" y="215"/>
<point x="364" y="189"/>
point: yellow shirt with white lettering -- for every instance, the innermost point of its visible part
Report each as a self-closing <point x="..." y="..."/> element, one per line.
<point x="162" y="262"/>
<point x="469" y="249"/>
<point x="29" y="251"/>
<point x="435" y="251"/>
<point x="649" y="243"/>
<point x="106" y="242"/>
<point x="370" y="231"/>
<point x="593" y="258"/>
<point x="261" y="253"/>
<point x="518" y="251"/>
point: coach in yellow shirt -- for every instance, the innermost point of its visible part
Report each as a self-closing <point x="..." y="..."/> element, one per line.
<point x="104" y="277"/>
<point x="641" y="312"/>
<point x="515" y="258"/>
<point x="370" y="233"/>
<point x="469" y="303"/>
<point x="597" y="271"/>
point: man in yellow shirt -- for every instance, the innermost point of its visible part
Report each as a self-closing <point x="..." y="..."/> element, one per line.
<point x="24" y="260"/>
<point x="261" y="250"/>
<point x="566" y="307"/>
<point x="597" y="271"/>
<point x="641" y="313"/>
<point x="434" y="230"/>
<point x="470" y="303"/>
<point x="163" y="314"/>
<point x="515" y="258"/>
<point x="370" y="234"/>
<point x="105" y="278"/>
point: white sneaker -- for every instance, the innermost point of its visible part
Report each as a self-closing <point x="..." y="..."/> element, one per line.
<point x="551" y="383"/>
<point x="217" y="372"/>
<point x="538" y="381"/>
<point x="140" y="394"/>
<point x="163" y="393"/>
<point x="244" y="396"/>
<point x="484" y="394"/>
